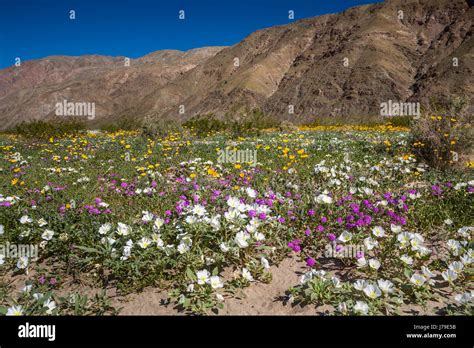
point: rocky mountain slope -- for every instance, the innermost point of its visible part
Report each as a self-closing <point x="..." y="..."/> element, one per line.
<point x="343" y="64"/>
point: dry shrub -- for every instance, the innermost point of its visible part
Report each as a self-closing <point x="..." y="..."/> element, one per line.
<point x="287" y="127"/>
<point x="46" y="129"/>
<point x="153" y="127"/>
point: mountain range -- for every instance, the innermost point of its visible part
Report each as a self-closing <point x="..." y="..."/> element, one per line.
<point x="343" y="65"/>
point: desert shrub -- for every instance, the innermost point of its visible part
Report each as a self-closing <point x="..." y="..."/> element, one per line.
<point x="442" y="136"/>
<point x="358" y="120"/>
<point x="238" y="125"/>
<point x="46" y="129"/>
<point x="287" y="127"/>
<point x="124" y="123"/>
<point x="202" y="125"/>
<point x="158" y="127"/>
<point x="401" y="121"/>
<point x="249" y="123"/>
<point x="259" y="120"/>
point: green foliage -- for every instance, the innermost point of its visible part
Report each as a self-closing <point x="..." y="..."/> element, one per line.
<point x="203" y="125"/>
<point x="158" y="127"/>
<point x="443" y="135"/>
<point x="401" y="121"/>
<point x="124" y="123"/>
<point x="239" y="125"/>
<point x="47" y="129"/>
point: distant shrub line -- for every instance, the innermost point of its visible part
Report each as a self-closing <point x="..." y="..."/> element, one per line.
<point x="46" y="129"/>
<point x="201" y="125"/>
<point x="441" y="137"/>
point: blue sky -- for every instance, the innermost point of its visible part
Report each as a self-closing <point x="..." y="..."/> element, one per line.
<point x="32" y="29"/>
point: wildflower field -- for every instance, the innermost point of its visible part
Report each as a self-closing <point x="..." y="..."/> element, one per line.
<point x="377" y="231"/>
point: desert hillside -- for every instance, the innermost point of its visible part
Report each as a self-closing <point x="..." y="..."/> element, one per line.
<point x="342" y="64"/>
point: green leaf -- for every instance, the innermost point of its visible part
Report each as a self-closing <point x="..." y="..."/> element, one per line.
<point x="190" y="274"/>
<point x="45" y="297"/>
<point x="186" y="302"/>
